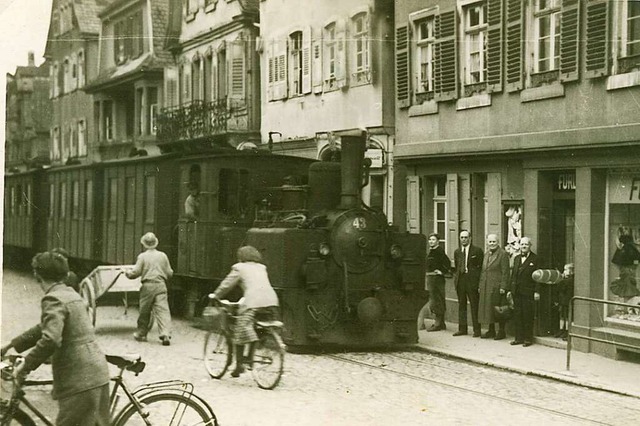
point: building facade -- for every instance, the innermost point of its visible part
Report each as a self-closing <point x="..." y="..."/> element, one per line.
<point x="28" y="114"/>
<point x="212" y="90"/>
<point x="519" y="118"/>
<point x="327" y="69"/>
<point x="128" y="86"/>
<point x="72" y="51"/>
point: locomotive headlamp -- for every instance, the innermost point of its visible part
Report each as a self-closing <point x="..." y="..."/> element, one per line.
<point x="396" y="252"/>
<point x="324" y="249"/>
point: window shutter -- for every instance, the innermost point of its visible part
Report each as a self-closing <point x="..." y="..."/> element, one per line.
<point x="186" y="84"/>
<point x="494" y="46"/>
<point x="280" y="68"/>
<point x="316" y="66"/>
<point x="341" y="54"/>
<point x="402" y="67"/>
<point x="271" y="77"/>
<point x="236" y="75"/>
<point x="514" y="46"/>
<point x="597" y="38"/>
<point x="569" y="40"/>
<point x="306" y="60"/>
<point x="453" y="223"/>
<point x="170" y="86"/>
<point x="215" y="91"/>
<point x="446" y="69"/>
<point x="413" y="204"/>
<point x="81" y="68"/>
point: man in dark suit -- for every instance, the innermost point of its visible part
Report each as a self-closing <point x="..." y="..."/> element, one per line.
<point x="468" y="263"/>
<point x="524" y="291"/>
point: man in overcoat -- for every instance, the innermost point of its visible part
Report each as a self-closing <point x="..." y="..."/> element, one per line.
<point x="494" y="283"/>
<point x="468" y="264"/>
<point x="525" y="293"/>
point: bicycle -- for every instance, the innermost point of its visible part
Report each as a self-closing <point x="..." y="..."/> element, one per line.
<point x="170" y="402"/>
<point x="267" y="362"/>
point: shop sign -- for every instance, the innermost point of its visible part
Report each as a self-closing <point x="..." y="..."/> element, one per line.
<point x="624" y="189"/>
<point x="566" y="182"/>
<point x="375" y="155"/>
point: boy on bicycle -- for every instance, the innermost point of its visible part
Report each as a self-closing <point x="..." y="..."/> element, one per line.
<point x="260" y="300"/>
<point x="80" y="370"/>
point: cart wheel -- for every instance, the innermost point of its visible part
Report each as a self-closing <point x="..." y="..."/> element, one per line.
<point x="86" y="291"/>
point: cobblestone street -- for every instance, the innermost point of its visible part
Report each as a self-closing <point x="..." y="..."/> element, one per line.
<point x="389" y="388"/>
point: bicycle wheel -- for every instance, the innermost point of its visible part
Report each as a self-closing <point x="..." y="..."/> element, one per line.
<point x="19" y="418"/>
<point x="268" y="360"/>
<point x="217" y="353"/>
<point x="167" y="408"/>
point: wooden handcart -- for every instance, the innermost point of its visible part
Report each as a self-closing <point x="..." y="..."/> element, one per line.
<point x="107" y="279"/>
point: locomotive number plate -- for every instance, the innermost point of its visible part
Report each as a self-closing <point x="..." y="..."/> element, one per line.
<point x="359" y="223"/>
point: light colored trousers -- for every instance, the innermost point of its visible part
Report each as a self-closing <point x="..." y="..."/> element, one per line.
<point x="153" y="299"/>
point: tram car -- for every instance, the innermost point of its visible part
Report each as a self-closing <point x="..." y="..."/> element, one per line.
<point x="25" y="214"/>
<point x="343" y="275"/>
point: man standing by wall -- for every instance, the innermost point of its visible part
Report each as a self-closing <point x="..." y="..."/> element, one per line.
<point x="468" y="263"/>
<point x="524" y="292"/>
<point x="494" y="281"/>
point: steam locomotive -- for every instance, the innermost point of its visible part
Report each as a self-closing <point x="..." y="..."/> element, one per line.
<point x="343" y="275"/>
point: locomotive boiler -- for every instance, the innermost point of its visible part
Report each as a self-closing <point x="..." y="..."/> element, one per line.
<point x="344" y="276"/>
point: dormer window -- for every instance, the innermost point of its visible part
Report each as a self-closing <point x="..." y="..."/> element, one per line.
<point x="128" y="38"/>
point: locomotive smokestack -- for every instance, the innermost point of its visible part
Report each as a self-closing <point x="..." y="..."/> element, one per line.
<point x="353" y="147"/>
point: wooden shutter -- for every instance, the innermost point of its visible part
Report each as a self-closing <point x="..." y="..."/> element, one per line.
<point x="306" y="60"/>
<point x="236" y="82"/>
<point x="316" y="65"/>
<point x="170" y="86"/>
<point x="280" y="68"/>
<point x="271" y="69"/>
<point x="402" y="67"/>
<point x="185" y="84"/>
<point x="569" y="40"/>
<point x="514" y="45"/>
<point x="446" y="69"/>
<point x="452" y="213"/>
<point x="494" y="46"/>
<point x="597" y="60"/>
<point x="341" y="54"/>
<point x="413" y="204"/>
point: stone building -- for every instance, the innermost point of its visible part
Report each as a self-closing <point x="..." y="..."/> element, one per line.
<point x="28" y="115"/>
<point x="520" y="118"/>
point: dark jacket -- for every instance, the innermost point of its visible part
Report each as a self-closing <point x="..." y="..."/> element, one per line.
<point x="521" y="281"/>
<point x="438" y="259"/>
<point x="65" y="333"/>
<point x="474" y="265"/>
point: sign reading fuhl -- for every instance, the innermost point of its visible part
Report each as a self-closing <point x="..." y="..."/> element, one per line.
<point x="624" y="189"/>
<point x="566" y="182"/>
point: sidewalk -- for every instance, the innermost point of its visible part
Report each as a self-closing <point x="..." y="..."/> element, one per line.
<point x="587" y="369"/>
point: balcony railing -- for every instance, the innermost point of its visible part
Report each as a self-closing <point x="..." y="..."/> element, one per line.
<point x="197" y="119"/>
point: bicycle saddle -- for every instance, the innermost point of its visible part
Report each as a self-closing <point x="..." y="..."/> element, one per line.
<point x="130" y="362"/>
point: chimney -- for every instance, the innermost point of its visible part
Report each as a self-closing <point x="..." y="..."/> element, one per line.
<point x="31" y="59"/>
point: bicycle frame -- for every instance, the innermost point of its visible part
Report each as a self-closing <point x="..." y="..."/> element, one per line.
<point x="22" y="400"/>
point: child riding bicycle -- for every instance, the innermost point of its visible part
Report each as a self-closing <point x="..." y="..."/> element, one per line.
<point x="260" y="301"/>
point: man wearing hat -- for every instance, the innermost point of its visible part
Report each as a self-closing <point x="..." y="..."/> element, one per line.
<point x="80" y="370"/>
<point x="154" y="270"/>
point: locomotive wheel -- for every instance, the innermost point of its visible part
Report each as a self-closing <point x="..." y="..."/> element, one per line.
<point x="90" y="299"/>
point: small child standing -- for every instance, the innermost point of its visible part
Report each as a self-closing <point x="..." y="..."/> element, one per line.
<point x="565" y="293"/>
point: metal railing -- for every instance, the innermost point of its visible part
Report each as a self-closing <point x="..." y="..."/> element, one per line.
<point x="593" y="339"/>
